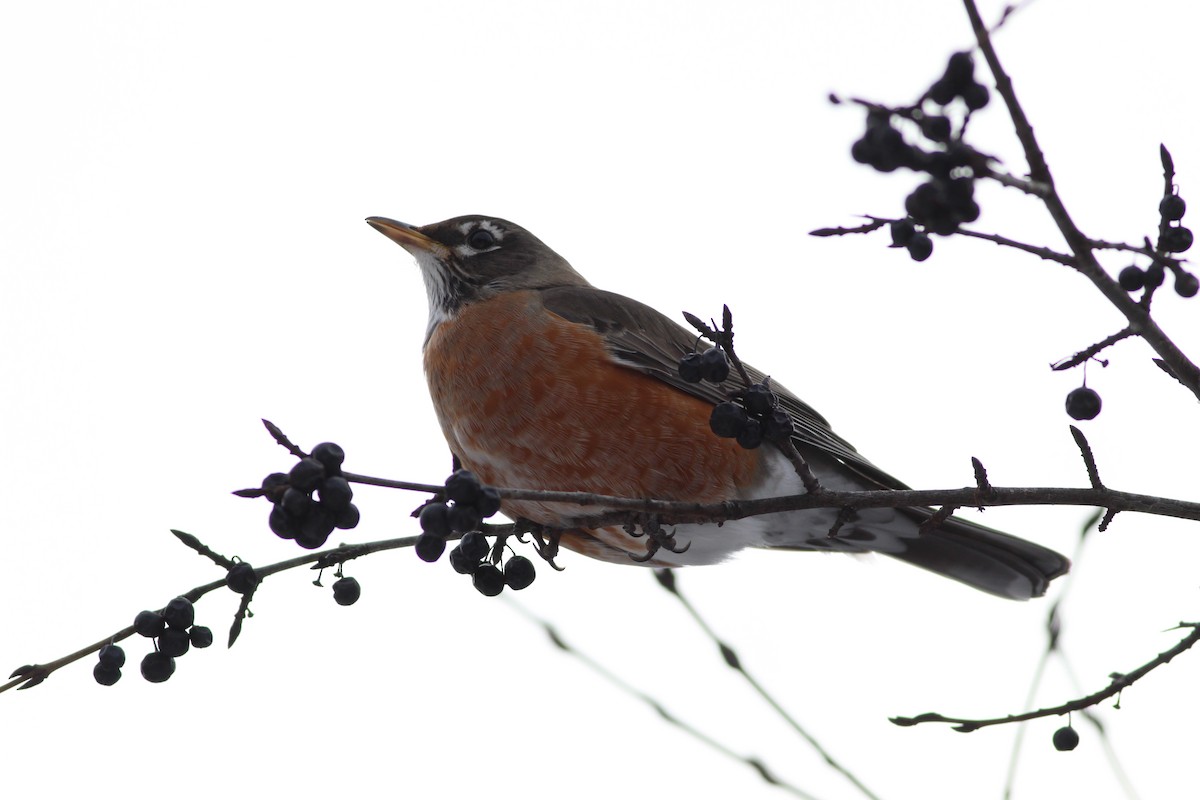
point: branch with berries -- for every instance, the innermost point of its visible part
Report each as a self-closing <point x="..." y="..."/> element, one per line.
<point x="930" y="137"/>
<point x="457" y="510"/>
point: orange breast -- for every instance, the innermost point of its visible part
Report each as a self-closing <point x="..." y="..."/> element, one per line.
<point x="530" y="400"/>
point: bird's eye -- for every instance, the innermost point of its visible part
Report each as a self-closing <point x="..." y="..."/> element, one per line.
<point x="481" y="239"/>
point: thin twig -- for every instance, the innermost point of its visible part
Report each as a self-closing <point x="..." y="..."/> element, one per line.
<point x="1119" y="682"/>
<point x="1081" y="246"/>
<point x="729" y="655"/>
<point x="1041" y="252"/>
<point x="667" y="716"/>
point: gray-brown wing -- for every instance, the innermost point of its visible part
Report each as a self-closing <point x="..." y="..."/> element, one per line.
<point x="642" y="338"/>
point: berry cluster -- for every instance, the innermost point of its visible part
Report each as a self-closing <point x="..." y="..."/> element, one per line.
<point x="753" y="420"/>
<point x="1173" y="238"/>
<point x="1083" y="403"/>
<point x="943" y="203"/>
<point x="959" y="81"/>
<point x="468" y="503"/>
<point x="711" y="366"/>
<point x="174" y="633"/>
<point x="947" y="199"/>
<point x="473" y="556"/>
<point x="917" y="243"/>
<point x="313" y="499"/>
<point x="1066" y="739"/>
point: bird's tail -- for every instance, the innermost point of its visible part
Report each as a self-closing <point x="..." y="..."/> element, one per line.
<point x="986" y="559"/>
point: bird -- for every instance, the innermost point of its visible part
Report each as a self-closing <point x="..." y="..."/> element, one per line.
<point x="540" y="380"/>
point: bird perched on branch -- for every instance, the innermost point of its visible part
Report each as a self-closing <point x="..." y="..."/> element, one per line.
<point x="542" y="381"/>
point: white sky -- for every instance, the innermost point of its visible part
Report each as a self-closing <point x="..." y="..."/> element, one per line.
<point x="182" y="191"/>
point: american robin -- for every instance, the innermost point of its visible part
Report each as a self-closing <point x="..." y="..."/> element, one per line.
<point x="542" y="381"/>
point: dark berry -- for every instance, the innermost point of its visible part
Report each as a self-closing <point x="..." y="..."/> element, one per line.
<point x="475" y="546"/>
<point x="960" y="70"/>
<point x="296" y="503"/>
<point x="759" y="399"/>
<point x="346" y="591"/>
<point x="174" y="642"/>
<point x="306" y="475"/>
<point x="1131" y="278"/>
<point x="461" y="564"/>
<point x="200" y="636"/>
<point x="902" y="232"/>
<point x="519" y="573"/>
<point x="942" y="92"/>
<point x="920" y="247"/>
<point x="283" y="524"/>
<point x="111" y="655"/>
<point x="1083" y="403"/>
<point x="315" y="529"/>
<point x="751" y="435"/>
<point x="1186" y="284"/>
<point x="463" y="487"/>
<point x="274" y="485"/>
<point x="778" y="425"/>
<point x="335" y="493"/>
<point x="716" y="366"/>
<point x="924" y="201"/>
<point x="157" y="667"/>
<point x="489" y="502"/>
<point x="1172" y="207"/>
<point x="149" y="623"/>
<point x="179" y="613"/>
<point x="691" y="368"/>
<point x="862" y="151"/>
<point x="976" y="96"/>
<point x="435" y="519"/>
<point x="1066" y="739"/>
<point x="1176" y="240"/>
<point x="106" y="675"/>
<point x="488" y="580"/>
<point x="727" y="419"/>
<point x="1154" y="275"/>
<point x="936" y="128"/>
<point x="331" y="457"/>
<point x="241" y="578"/>
<point x="430" y="547"/>
<point x="463" y="518"/>
<point x="347" y="518"/>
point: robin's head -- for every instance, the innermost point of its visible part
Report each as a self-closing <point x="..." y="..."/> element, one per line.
<point x="469" y="259"/>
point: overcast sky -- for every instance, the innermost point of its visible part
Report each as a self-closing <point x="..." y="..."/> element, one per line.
<point x="182" y="190"/>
